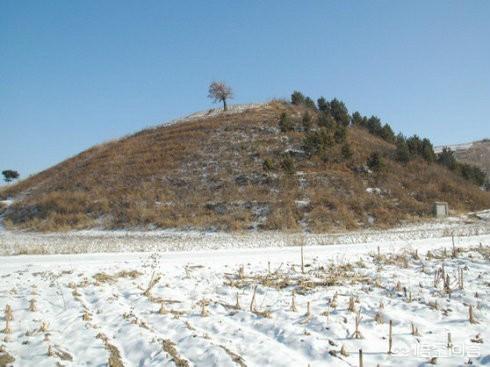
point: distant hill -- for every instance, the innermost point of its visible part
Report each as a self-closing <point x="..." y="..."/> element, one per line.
<point x="476" y="153"/>
<point x="246" y="168"/>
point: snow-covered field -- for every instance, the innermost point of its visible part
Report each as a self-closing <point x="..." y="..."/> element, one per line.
<point x="92" y="241"/>
<point x="180" y="308"/>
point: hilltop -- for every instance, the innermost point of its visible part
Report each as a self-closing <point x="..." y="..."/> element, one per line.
<point x="272" y="166"/>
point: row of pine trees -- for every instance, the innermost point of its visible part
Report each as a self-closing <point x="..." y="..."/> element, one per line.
<point x="334" y="116"/>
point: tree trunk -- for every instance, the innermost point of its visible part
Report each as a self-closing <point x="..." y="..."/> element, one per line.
<point x="225" y="107"/>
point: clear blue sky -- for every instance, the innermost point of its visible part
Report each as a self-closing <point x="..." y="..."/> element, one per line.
<point x="77" y="73"/>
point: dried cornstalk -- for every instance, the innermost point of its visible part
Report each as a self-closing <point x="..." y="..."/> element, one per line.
<point x="153" y="282"/>
<point x="252" y="303"/>
<point x="390" y="338"/>
<point x="293" y="301"/>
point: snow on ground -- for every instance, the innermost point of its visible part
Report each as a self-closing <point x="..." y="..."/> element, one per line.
<point x="484" y="215"/>
<point x="234" y="108"/>
<point x="17" y="242"/>
<point x="180" y="308"/>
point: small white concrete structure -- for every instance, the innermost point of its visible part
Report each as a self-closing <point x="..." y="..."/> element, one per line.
<point x="440" y="209"/>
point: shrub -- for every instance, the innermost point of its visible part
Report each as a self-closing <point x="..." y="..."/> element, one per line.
<point x="486" y="185"/>
<point x="340" y="134"/>
<point x="297" y="98"/>
<point x="346" y="151"/>
<point x="285" y="123"/>
<point x="375" y="162"/>
<point x="472" y="173"/>
<point x="287" y="164"/>
<point x="268" y="165"/>
<point x="307" y="121"/>
<point x="10" y="175"/>
<point x="318" y="141"/>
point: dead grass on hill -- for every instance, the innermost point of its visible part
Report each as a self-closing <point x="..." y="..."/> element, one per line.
<point x="208" y="173"/>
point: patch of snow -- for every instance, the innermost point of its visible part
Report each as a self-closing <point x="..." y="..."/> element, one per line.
<point x="484" y="215"/>
<point x="302" y="203"/>
<point x="373" y="190"/>
<point x="232" y="109"/>
<point x="454" y="147"/>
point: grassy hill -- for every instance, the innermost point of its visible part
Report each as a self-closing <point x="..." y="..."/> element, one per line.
<point x="241" y="169"/>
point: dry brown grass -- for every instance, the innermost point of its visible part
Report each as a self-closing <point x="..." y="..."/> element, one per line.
<point x="188" y="175"/>
<point x="108" y="278"/>
<point x="6" y="359"/>
<point x="115" y="359"/>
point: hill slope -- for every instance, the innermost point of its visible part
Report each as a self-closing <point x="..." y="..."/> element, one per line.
<point x="208" y="171"/>
<point x="476" y="153"/>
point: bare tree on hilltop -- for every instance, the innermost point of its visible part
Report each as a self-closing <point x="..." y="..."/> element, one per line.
<point x="220" y="92"/>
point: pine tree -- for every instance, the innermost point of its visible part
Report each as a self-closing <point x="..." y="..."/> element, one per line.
<point x="373" y="124"/>
<point x="323" y="105"/>
<point x="339" y="112"/>
<point x="310" y="103"/>
<point x="285" y="123"/>
<point x="402" y="154"/>
<point x="307" y="121"/>
<point x="318" y="141"/>
<point x="326" y="120"/>
<point x="375" y="162"/>
<point x="446" y="158"/>
<point x="387" y="133"/>
<point x="356" y="119"/>
<point x="297" y="98"/>
<point x="427" y="151"/>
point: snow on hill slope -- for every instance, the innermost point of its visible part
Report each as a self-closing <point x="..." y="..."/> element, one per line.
<point x="235" y="108"/>
<point x="454" y="147"/>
